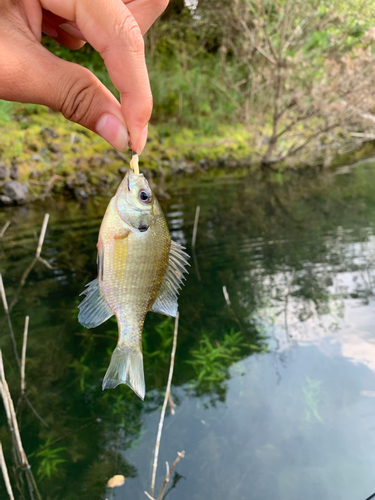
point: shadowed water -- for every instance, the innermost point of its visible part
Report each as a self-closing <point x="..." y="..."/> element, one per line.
<point x="275" y="395"/>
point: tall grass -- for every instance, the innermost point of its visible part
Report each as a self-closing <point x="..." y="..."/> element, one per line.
<point x="187" y="91"/>
<point x="191" y="96"/>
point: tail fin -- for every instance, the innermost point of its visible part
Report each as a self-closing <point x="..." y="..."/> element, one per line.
<point x="126" y="367"/>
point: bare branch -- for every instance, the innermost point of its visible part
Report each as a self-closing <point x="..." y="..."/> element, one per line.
<point x="4" y="470"/>
<point x="12" y="420"/>
<point x="180" y="454"/>
<point x="161" y="422"/>
<point x="70" y="434"/>
<point x="34" y="261"/>
<point x="287" y="301"/>
<point x="23" y="357"/>
<point x="225" y="92"/>
<point x="251" y="37"/>
<point x="3" y="296"/>
<point x="195" y="228"/>
<point x="4" y="228"/>
<point x="231" y="310"/>
<point x="149" y="496"/>
<point x="291" y="38"/>
<point x="30" y="405"/>
<point x="172" y="404"/>
<point x="6" y="310"/>
<point x="294" y="150"/>
<point x="294" y="123"/>
<point x="20" y="454"/>
<point x="42" y="235"/>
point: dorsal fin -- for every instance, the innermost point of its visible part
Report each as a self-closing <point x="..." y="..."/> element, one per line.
<point x="166" y="301"/>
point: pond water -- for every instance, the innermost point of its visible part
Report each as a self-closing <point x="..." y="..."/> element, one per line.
<point x="275" y="394"/>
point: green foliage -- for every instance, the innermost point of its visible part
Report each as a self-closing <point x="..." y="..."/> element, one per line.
<point x="5" y="111"/>
<point x="206" y="71"/>
<point x="82" y="372"/>
<point x="164" y="329"/>
<point x="50" y="460"/>
<point x="86" y="57"/>
<point x="212" y="360"/>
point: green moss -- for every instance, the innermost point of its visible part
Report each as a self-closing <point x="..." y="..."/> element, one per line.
<point x="51" y="145"/>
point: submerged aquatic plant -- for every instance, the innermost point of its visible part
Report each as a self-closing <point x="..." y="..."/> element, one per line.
<point x="165" y="332"/>
<point x="313" y="396"/>
<point x="51" y="458"/>
<point x="212" y="360"/>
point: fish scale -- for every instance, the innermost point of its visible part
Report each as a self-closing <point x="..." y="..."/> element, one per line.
<point x="140" y="269"/>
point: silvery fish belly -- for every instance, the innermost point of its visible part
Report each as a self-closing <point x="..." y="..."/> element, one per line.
<point x="140" y="269"/>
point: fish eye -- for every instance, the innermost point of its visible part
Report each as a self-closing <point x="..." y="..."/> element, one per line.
<point x="144" y="196"/>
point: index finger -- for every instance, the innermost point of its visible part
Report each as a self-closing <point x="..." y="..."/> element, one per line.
<point x="146" y="12"/>
<point x="111" y="29"/>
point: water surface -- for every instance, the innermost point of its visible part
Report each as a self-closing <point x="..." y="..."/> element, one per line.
<point x="275" y="395"/>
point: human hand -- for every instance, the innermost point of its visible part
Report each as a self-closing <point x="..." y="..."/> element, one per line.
<point x="30" y="73"/>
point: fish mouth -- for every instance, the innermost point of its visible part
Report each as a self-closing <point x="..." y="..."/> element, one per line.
<point x="142" y="228"/>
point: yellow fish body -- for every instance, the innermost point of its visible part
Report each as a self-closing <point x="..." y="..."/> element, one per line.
<point x="140" y="269"/>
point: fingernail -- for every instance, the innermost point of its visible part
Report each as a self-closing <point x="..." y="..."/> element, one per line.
<point x="49" y="30"/>
<point x="113" y="131"/>
<point x="142" y="140"/>
<point x="72" y="30"/>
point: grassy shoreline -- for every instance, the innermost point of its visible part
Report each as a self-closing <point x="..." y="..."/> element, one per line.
<point x="55" y="156"/>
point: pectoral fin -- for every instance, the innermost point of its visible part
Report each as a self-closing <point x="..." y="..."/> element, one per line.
<point x="166" y="301"/>
<point x="93" y="310"/>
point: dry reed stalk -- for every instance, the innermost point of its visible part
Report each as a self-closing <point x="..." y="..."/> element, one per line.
<point x="11" y="414"/>
<point x="4" y="228"/>
<point x="23" y="378"/>
<point x="226" y="296"/>
<point x="161" y="422"/>
<point x="70" y="434"/>
<point x="4" y="470"/>
<point x="195" y="228"/>
<point x="22" y="282"/>
<point x="134" y="164"/>
<point x="42" y="235"/>
<point x="34" y="261"/>
<point x="172" y="404"/>
<point x="30" y="405"/>
<point x="193" y="240"/>
<point x="180" y="454"/>
<point x="3" y="296"/>
<point x="6" y="310"/>
<point x="15" y="432"/>
<point x="23" y="357"/>
<point x="231" y="310"/>
<point x="286" y="304"/>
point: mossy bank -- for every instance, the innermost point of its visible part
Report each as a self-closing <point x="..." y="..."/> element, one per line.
<point x="52" y="156"/>
<point x="42" y="155"/>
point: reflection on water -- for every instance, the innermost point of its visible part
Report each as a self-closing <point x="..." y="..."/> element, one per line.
<point x="275" y="394"/>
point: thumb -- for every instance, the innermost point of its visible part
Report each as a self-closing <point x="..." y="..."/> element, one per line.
<point x="37" y="76"/>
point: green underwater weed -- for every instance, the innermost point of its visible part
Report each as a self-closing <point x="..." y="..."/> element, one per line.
<point x="312" y="397"/>
<point x="51" y="459"/>
<point x="212" y="360"/>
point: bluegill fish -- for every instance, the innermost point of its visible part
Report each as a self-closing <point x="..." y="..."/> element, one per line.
<point x="140" y="269"/>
